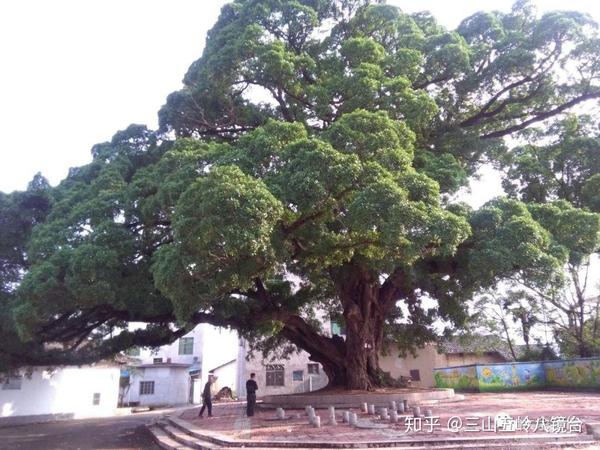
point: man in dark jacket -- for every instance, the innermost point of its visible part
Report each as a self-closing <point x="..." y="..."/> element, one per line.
<point x="251" y="388"/>
<point x="207" y="397"/>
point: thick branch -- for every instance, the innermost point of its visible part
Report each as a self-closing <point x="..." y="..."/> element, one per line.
<point x="541" y="116"/>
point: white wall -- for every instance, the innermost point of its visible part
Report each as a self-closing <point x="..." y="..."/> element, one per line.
<point x="220" y="346"/>
<point x="299" y="361"/>
<point x="226" y="377"/>
<point x="171" y="385"/>
<point x="66" y="390"/>
<point x="171" y="351"/>
<point x="213" y="347"/>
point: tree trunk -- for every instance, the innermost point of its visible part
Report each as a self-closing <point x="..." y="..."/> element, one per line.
<point x="359" y="293"/>
<point x="508" y="339"/>
<point x="353" y="362"/>
<point x="329" y="351"/>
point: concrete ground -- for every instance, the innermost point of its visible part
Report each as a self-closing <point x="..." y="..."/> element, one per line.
<point x="535" y="412"/>
<point x="114" y="433"/>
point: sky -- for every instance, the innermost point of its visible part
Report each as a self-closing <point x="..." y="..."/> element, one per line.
<point x="75" y="72"/>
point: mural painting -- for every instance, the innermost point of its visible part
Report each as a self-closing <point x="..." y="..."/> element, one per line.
<point x="500" y="377"/>
<point x="576" y="373"/>
<point x="460" y="378"/>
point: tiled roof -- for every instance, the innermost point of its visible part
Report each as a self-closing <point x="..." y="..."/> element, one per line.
<point x="478" y="344"/>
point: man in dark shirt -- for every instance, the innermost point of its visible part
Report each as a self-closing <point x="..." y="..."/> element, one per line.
<point x="206" y="397"/>
<point x="251" y="388"/>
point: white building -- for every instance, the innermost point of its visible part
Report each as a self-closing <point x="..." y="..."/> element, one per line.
<point x="287" y="376"/>
<point x="65" y="392"/>
<point x="158" y="384"/>
<point x="171" y="375"/>
<point x="176" y="373"/>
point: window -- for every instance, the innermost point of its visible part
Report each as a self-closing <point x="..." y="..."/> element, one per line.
<point x="415" y="375"/>
<point x="157" y="361"/>
<point x="146" y="387"/>
<point x="313" y="368"/>
<point x="275" y="375"/>
<point x="96" y="400"/>
<point x="133" y="351"/>
<point x="186" y="346"/>
<point x="12" y="383"/>
<point x="298" y="375"/>
<point x="337" y="328"/>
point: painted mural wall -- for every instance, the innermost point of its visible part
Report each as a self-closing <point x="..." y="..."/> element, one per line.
<point x="499" y="377"/>
<point x="575" y="373"/>
<point x="462" y="378"/>
<point x="583" y="373"/>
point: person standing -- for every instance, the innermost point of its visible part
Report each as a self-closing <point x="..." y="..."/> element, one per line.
<point x="207" y="397"/>
<point x="251" y="388"/>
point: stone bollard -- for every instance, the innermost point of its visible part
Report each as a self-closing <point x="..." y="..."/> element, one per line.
<point x="365" y="408"/>
<point x="346" y="417"/>
<point x="393" y="406"/>
<point x="416" y="411"/>
<point x="280" y="413"/>
<point x="353" y="419"/>
<point x="306" y="408"/>
<point x="384" y="414"/>
<point x="393" y="416"/>
<point x="332" y="420"/>
<point x="405" y="403"/>
<point x="311" y="414"/>
<point x="317" y="422"/>
<point x="428" y="413"/>
<point x="372" y="409"/>
<point x="401" y="408"/>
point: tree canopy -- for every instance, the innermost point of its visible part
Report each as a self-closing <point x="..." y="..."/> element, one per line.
<point x="310" y="163"/>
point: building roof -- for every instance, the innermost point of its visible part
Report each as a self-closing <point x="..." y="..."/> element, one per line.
<point x="477" y="344"/>
<point x="223" y="365"/>
<point x="159" y="365"/>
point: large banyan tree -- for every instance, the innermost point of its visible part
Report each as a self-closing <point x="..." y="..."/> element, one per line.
<point x="308" y="167"/>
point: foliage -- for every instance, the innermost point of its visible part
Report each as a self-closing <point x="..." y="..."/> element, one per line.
<point x="309" y="162"/>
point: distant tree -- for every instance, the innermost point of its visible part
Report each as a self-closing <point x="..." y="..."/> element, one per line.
<point x="559" y="176"/>
<point x="308" y="163"/>
<point x="499" y="312"/>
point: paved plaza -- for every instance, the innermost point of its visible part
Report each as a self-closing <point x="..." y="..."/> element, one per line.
<point x="490" y="415"/>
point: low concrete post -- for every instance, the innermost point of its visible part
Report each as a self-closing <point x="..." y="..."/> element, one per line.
<point x="332" y="420"/>
<point x="346" y="417"/>
<point x="280" y="413"/>
<point x="393" y="406"/>
<point x="372" y="409"/>
<point x="416" y="411"/>
<point x="384" y="414"/>
<point x="405" y="402"/>
<point x="401" y="408"/>
<point x="317" y="422"/>
<point x="353" y="419"/>
<point x="428" y="413"/>
<point x="365" y="408"/>
<point x="311" y="415"/>
<point x="393" y="416"/>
